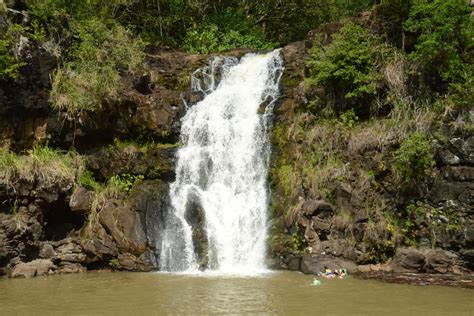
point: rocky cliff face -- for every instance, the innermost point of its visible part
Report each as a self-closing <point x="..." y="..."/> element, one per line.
<point x="336" y="199"/>
<point x="58" y="227"/>
<point x="348" y="220"/>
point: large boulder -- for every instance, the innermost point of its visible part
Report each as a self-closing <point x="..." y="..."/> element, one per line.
<point x="125" y="227"/>
<point x="81" y="200"/>
<point x="468" y="257"/>
<point x="97" y="244"/>
<point x="408" y="260"/>
<point x="130" y="262"/>
<point x="441" y="261"/>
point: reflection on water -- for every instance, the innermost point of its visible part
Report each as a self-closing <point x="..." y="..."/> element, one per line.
<point x="278" y="292"/>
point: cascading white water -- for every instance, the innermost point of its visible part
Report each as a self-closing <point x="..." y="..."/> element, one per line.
<point x="222" y="166"/>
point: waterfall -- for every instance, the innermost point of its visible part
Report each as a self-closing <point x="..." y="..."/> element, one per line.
<point x="221" y="169"/>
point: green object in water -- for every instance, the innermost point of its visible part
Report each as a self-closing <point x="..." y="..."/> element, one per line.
<point x="316" y="282"/>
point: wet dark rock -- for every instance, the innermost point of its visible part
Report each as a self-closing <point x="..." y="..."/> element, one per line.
<point x="322" y="225"/>
<point x="154" y="162"/>
<point x="144" y="85"/>
<point x="368" y="268"/>
<point x="195" y="217"/>
<point x="458" y="173"/>
<point x="289" y="262"/>
<point x="150" y="199"/>
<point x="294" y="263"/>
<point x="408" y="260"/>
<point x="469" y="235"/>
<point x="310" y="235"/>
<point x="449" y="158"/>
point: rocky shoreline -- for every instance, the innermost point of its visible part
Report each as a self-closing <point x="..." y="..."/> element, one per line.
<point x="422" y="279"/>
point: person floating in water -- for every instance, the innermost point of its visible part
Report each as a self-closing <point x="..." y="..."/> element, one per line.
<point x="329" y="274"/>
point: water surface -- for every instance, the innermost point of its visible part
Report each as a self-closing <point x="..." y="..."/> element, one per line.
<point x="274" y="293"/>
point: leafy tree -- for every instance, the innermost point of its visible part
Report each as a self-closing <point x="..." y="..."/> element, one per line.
<point x="347" y="67"/>
<point x="290" y="20"/>
<point x="393" y="14"/>
<point x="225" y="31"/>
<point x="445" y="39"/>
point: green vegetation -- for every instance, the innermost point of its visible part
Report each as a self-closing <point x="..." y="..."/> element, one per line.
<point x="290" y="20"/>
<point x="41" y="163"/>
<point x="414" y="158"/>
<point x="349" y="65"/>
<point x="348" y="118"/>
<point x="134" y="145"/>
<point x="9" y="64"/>
<point x="97" y="42"/>
<point x="122" y="183"/>
<point x="51" y="167"/>
<point x="86" y="179"/>
<point x="445" y="33"/>
<point x="224" y="32"/>
<point x="171" y="22"/>
<point x="92" y="74"/>
<point x="419" y="216"/>
<point x="298" y="243"/>
<point x="374" y="91"/>
<point x="285" y="176"/>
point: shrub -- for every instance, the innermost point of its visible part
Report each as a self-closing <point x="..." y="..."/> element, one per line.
<point x="203" y="40"/>
<point x="298" y="243"/>
<point x="348" y="65"/>
<point x="445" y="38"/>
<point x="9" y="64"/>
<point x="414" y="158"/>
<point x="92" y="74"/>
<point x="121" y="184"/>
<point x="348" y="118"/>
